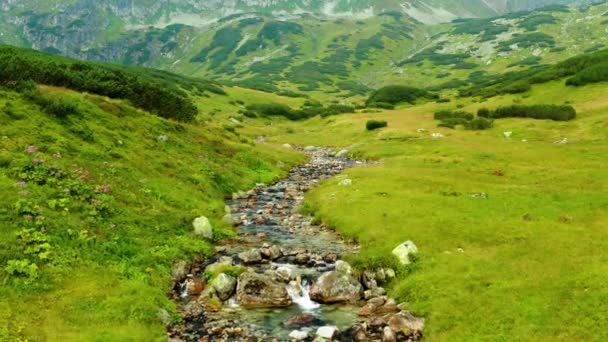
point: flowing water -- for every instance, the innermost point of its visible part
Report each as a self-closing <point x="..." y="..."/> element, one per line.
<point x="265" y="216"/>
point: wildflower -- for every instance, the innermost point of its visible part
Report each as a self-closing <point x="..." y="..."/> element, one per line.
<point x="31" y="149"/>
<point x="103" y="188"/>
<point x="24" y="193"/>
<point x="21" y="184"/>
<point x="38" y="161"/>
<point x="57" y="155"/>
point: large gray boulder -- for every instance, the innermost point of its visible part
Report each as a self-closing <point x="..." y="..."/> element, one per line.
<point x="224" y="286"/>
<point x="203" y="227"/>
<point x="251" y="256"/>
<point x="335" y="287"/>
<point x="260" y="291"/>
<point x="404" y="251"/>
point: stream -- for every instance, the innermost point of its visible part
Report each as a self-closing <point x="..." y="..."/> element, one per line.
<point x="281" y="277"/>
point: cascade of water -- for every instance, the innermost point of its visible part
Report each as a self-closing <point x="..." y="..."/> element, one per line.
<point x="300" y="294"/>
<point x="233" y="304"/>
<point x="183" y="290"/>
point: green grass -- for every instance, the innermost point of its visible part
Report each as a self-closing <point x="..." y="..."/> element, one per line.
<point x="526" y="263"/>
<point x="111" y="208"/>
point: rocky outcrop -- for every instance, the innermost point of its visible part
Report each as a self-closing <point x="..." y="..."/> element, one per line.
<point x="336" y="287"/>
<point x="224" y="286"/>
<point x="259" y="291"/>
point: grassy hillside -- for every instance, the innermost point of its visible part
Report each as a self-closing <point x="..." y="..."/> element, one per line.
<point x="97" y="206"/>
<point x="510" y="229"/>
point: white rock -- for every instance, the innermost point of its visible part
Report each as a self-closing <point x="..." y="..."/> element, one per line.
<point x="388" y="335"/>
<point x="404" y="250"/>
<point x="507" y="134"/>
<point x="328" y="332"/>
<point x="437" y="135"/>
<point x="298" y="335"/>
<point x="203" y="227"/>
<point x="286" y="146"/>
<point x="346" y="182"/>
<point x="309" y="148"/>
<point x="285" y="273"/>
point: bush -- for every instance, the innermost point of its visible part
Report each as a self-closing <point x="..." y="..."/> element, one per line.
<point x="151" y="90"/>
<point x="451" y="119"/>
<point x="483" y="112"/>
<point x="383" y="105"/>
<point x="479" y="124"/>
<point x="396" y="94"/>
<point x="375" y="124"/>
<point x="448" y="114"/>
<point x="543" y="112"/>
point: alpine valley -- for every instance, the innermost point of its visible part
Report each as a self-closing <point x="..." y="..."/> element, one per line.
<point x="303" y="170"/>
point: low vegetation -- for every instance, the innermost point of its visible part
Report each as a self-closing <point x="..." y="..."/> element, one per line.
<point x="97" y="204"/>
<point x="389" y="96"/>
<point x="542" y="112"/>
<point x="490" y="215"/>
<point x="372" y="125"/>
<point x="18" y="65"/>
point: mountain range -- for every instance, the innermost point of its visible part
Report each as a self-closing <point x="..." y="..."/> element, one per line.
<point x="341" y="46"/>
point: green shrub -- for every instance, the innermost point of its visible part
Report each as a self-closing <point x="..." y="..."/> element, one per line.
<point x="383" y="105"/>
<point x="375" y="124"/>
<point x="479" y="124"/>
<point x="483" y="112"/>
<point x="543" y="112"/>
<point x="449" y="114"/>
<point x="155" y="91"/>
<point x="396" y="94"/>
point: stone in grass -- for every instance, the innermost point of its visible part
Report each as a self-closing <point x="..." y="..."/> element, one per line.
<point x="404" y="250"/>
<point x="202" y="227"/>
<point x="346" y="182"/>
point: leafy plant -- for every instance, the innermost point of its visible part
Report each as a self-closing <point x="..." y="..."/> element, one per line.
<point x="375" y="124"/>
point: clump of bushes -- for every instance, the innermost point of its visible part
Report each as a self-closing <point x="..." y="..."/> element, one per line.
<point x="375" y="124"/>
<point x="453" y="118"/>
<point x="390" y="96"/>
<point x="479" y="124"/>
<point x="308" y="110"/>
<point x="542" y="112"/>
<point x="145" y="89"/>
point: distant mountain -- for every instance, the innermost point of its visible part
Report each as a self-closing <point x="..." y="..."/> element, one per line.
<point x="301" y="45"/>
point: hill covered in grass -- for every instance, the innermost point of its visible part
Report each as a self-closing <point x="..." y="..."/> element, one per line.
<point x="98" y="197"/>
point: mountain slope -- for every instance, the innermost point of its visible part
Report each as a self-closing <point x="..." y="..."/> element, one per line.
<point x="340" y="47"/>
<point x="97" y="204"/>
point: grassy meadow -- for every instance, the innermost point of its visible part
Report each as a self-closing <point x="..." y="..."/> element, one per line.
<point x="96" y="207"/>
<point x="528" y="262"/>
